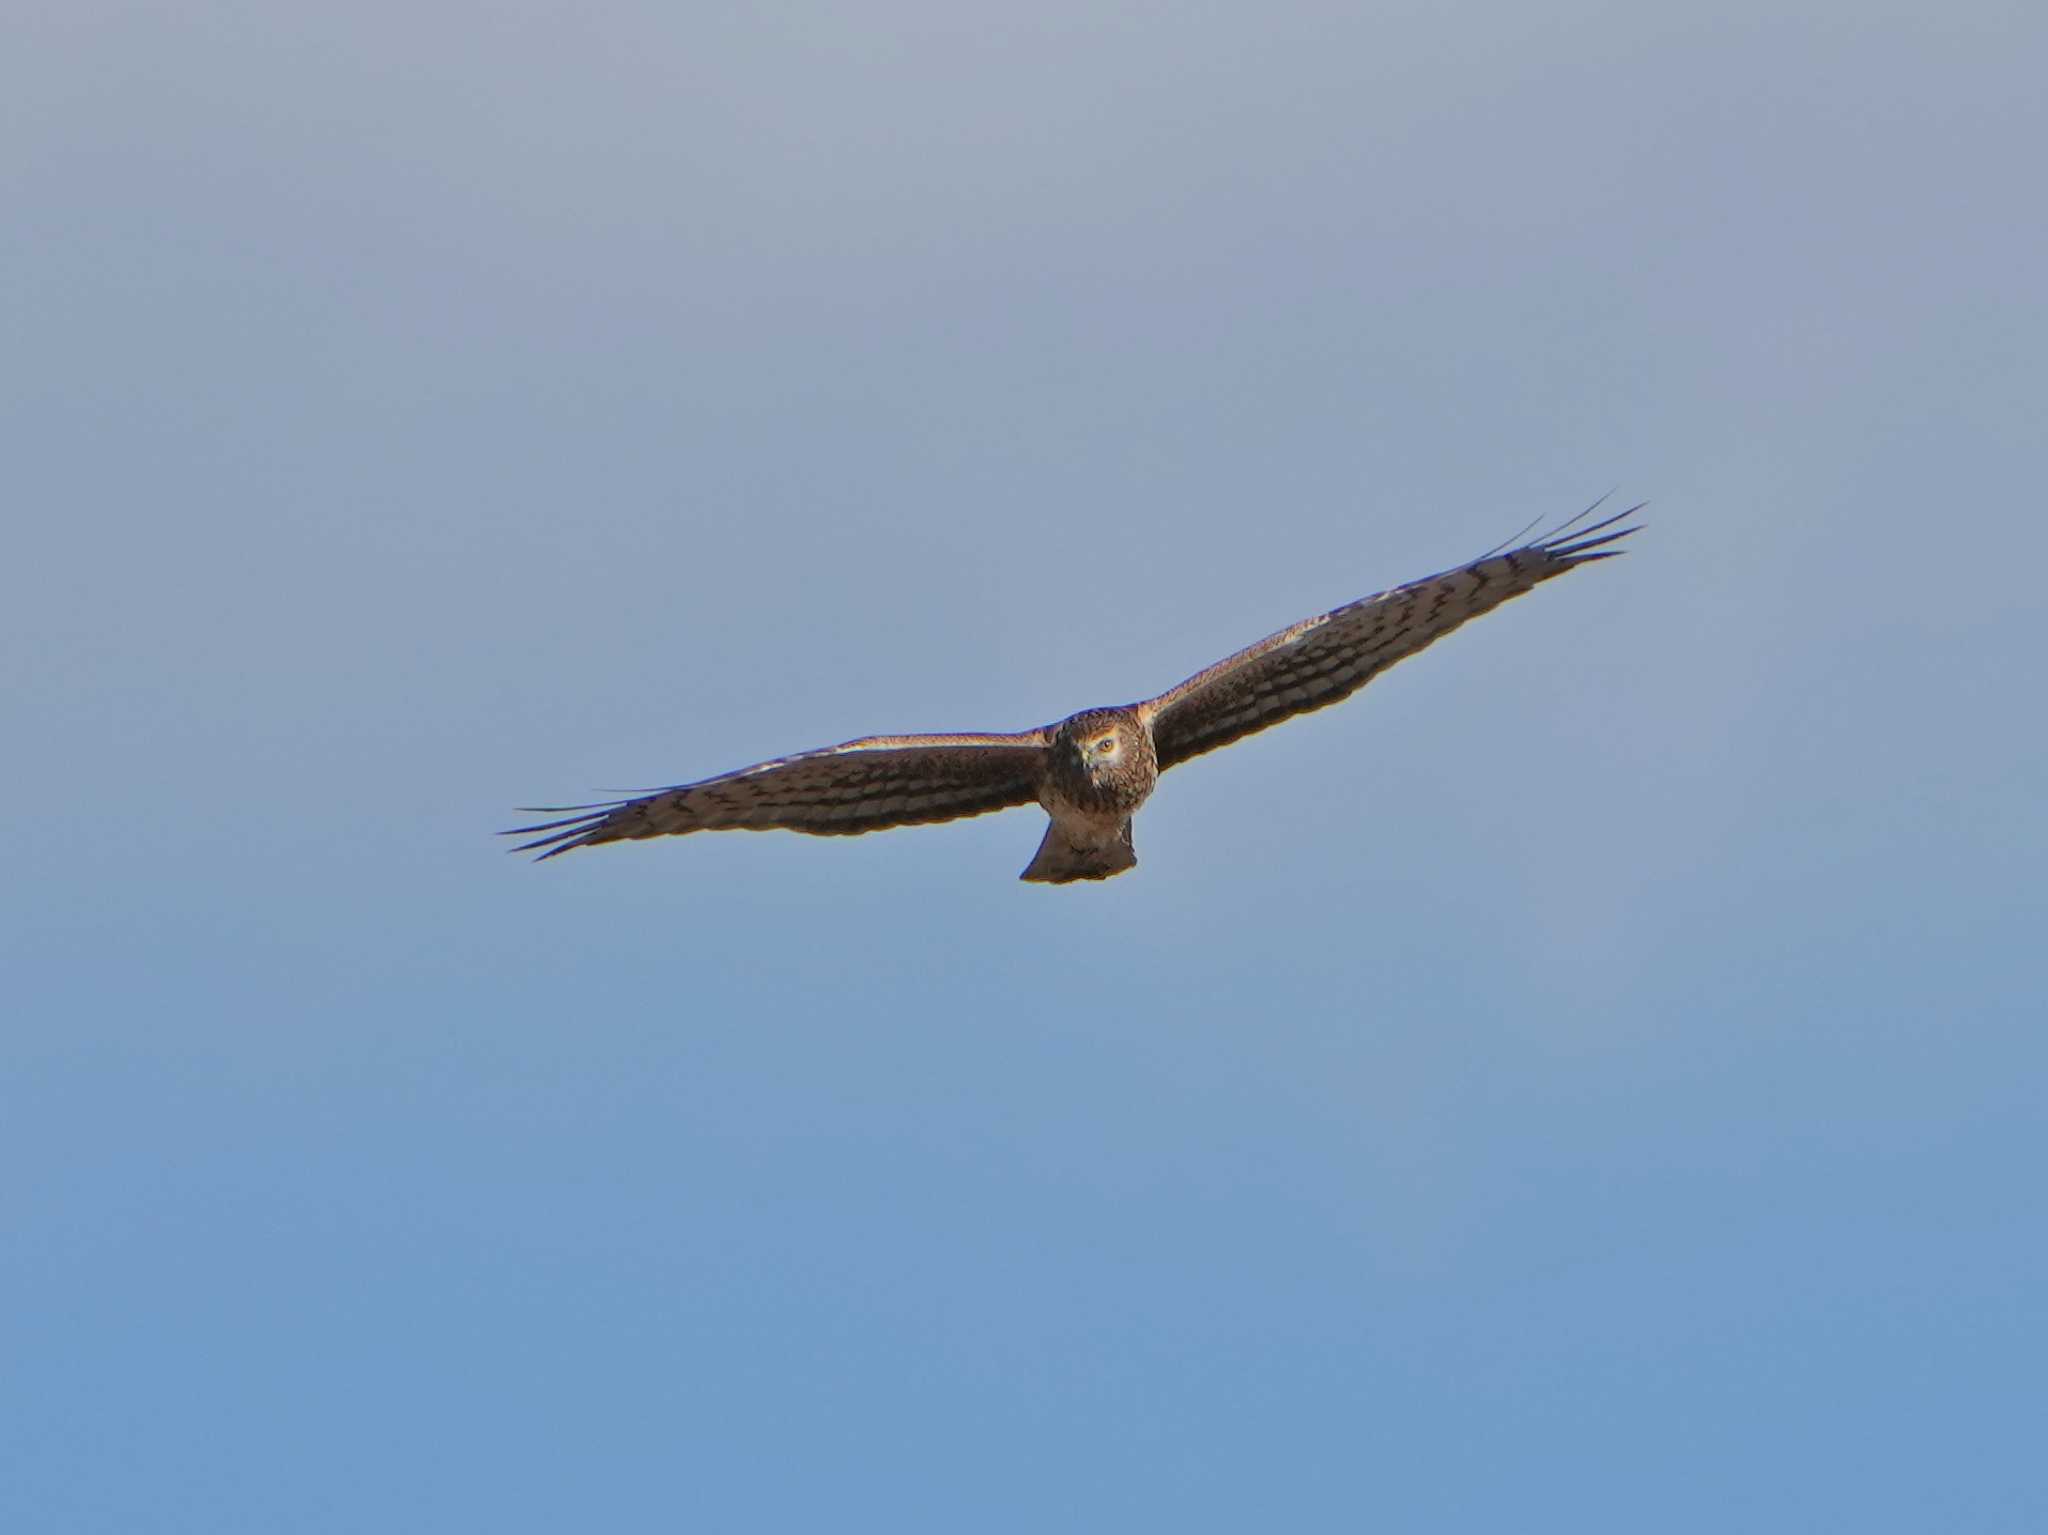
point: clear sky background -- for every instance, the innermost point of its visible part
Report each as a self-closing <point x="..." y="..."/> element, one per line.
<point x="1593" y="1080"/>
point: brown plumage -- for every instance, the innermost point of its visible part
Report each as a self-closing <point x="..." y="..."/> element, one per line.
<point x="1092" y="770"/>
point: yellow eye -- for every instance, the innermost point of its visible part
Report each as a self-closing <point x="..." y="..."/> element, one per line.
<point x="1107" y="743"/>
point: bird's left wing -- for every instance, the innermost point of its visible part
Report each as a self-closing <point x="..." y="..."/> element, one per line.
<point x="1323" y="659"/>
<point x="859" y="786"/>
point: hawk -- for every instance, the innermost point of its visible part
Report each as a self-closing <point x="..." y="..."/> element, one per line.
<point x="1092" y="770"/>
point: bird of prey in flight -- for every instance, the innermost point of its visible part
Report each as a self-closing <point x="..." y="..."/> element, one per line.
<point x="1092" y="770"/>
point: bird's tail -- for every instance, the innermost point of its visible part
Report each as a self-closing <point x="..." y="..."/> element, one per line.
<point x="1064" y="857"/>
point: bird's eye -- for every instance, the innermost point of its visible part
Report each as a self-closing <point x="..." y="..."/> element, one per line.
<point x="1106" y="744"/>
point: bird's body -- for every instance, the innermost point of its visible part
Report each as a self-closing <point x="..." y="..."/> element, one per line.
<point x="1093" y="770"/>
<point x="1100" y="768"/>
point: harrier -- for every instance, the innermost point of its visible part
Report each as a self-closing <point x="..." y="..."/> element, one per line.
<point x="1092" y="770"/>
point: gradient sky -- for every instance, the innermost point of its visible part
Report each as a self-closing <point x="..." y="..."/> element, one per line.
<point x="1591" y="1081"/>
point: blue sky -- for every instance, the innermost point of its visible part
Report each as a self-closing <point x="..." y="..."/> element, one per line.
<point x="1592" y="1080"/>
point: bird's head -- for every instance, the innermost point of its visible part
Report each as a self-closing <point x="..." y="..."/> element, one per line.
<point x="1097" y="741"/>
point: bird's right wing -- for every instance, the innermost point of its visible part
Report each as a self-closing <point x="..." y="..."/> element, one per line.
<point x="859" y="786"/>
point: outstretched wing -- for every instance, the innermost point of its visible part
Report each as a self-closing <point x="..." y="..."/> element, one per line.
<point x="860" y="786"/>
<point x="1321" y="660"/>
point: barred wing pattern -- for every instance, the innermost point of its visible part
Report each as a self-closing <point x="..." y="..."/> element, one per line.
<point x="1322" y="660"/>
<point x="859" y="786"/>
